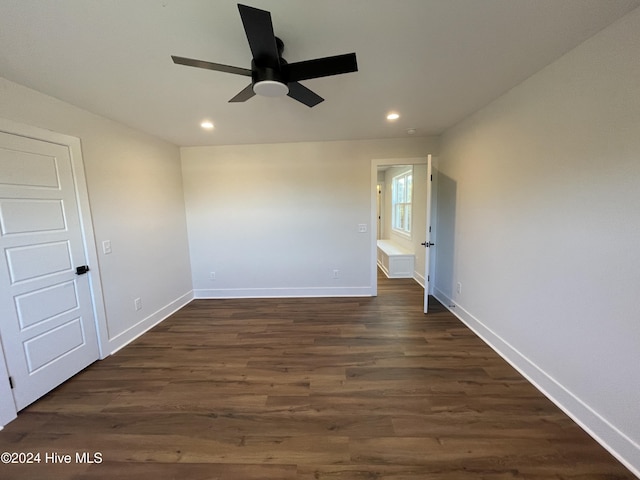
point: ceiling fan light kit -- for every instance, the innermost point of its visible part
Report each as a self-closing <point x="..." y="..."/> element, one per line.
<point x="271" y="75"/>
<point x="270" y="88"/>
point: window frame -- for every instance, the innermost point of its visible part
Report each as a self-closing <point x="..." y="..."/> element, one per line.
<point x="402" y="226"/>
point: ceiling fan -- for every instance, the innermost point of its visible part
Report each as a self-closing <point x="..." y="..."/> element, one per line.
<point x="270" y="74"/>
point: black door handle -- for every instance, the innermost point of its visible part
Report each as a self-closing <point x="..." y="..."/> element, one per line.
<point x="81" y="270"/>
<point x="427" y="244"/>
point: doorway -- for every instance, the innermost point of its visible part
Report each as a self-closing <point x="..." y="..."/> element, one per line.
<point x="421" y="232"/>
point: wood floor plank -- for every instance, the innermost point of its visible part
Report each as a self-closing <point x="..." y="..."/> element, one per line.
<point x="318" y="388"/>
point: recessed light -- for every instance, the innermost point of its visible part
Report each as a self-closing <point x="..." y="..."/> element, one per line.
<point x="411" y="131"/>
<point x="207" y="125"/>
<point x="393" y="116"/>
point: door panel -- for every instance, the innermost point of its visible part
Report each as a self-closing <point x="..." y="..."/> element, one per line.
<point x="41" y="350"/>
<point x="427" y="254"/>
<point x="38" y="305"/>
<point x="27" y="168"/>
<point x="23" y="216"/>
<point x="33" y="261"/>
<point x="47" y="324"/>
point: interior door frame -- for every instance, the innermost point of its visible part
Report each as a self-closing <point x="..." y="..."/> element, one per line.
<point x="7" y="406"/>
<point x="375" y="163"/>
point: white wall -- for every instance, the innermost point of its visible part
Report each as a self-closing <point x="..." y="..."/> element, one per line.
<point x="135" y="190"/>
<point x="539" y="220"/>
<point x="278" y="219"/>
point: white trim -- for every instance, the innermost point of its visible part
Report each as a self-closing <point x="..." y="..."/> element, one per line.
<point x="84" y="208"/>
<point x="7" y="406"/>
<point x="129" y="335"/>
<point x="282" y="292"/>
<point x="611" y="438"/>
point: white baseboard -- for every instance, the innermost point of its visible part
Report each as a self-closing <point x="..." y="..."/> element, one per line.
<point x="608" y="435"/>
<point x="384" y="269"/>
<point x="123" y="339"/>
<point x="283" y="292"/>
<point x="418" y="277"/>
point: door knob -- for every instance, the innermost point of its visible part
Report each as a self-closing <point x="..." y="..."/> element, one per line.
<point x="81" y="270"/>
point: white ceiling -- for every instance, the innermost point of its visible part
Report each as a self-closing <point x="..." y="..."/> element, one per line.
<point x="433" y="61"/>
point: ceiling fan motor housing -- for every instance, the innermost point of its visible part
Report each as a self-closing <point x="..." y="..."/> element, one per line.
<point x="268" y="81"/>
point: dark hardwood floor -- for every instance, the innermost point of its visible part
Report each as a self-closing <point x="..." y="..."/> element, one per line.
<point x="340" y="388"/>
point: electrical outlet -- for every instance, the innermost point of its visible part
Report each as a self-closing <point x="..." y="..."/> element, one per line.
<point x="336" y="274"/>
<point x="459" y="288"/>
<point x="137" y="304"/>
<point x="362" y="228"/>
<point x="212" y="275"/>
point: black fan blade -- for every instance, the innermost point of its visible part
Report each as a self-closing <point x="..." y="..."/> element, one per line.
<point x="302" y="94"/>
<point x="262" y="40"/>
<point x="244" y="95"/>
<point x="190" y="62"/>
<point x="321" y="67"/>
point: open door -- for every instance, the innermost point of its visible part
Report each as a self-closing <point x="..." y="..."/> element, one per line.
<point x="428" y="244"/>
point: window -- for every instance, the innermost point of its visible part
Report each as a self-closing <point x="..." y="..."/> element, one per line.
<point x="401" y="192"/>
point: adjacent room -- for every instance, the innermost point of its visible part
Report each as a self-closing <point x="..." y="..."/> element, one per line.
<point x="193" y="196"/>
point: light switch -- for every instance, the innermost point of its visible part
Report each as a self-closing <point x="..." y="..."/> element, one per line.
<point x="106" y="247"/>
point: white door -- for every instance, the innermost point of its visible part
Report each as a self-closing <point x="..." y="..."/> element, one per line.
<point x="428" y="243"/>
<point x="47" y="324"/>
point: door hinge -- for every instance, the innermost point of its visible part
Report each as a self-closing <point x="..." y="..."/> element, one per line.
<point x="431" y="178"/>
<point x="11" y="382"/>
<point x="428" y="278"/>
